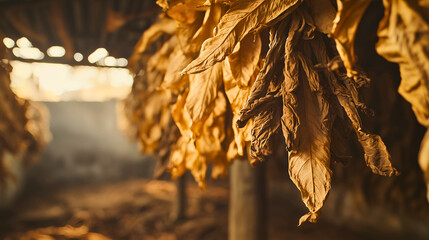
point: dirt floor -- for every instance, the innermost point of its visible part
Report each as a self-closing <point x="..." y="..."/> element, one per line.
<point x="140" y="209"/>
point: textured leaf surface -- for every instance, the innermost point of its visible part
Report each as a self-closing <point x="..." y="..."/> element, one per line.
<point x="242" y="18"/>
<point x="309" y="153"/>
<point x="404" y="38"/>
<point x="344" y="30"/>
<point x="203" y="90"/>
<point x="165" y="26"/>
<point x="244" y="62"/>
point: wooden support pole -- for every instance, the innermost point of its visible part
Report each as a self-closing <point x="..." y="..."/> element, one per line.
<point x="179" y="202"/>
<point x="247" y="202"/>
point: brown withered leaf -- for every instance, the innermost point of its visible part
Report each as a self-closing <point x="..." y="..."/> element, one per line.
<point x="309" y="119"/>
<point x="290" y="120"/>
<point x="168" y="4"/>
<point x="244" y="61"/>
<point x="202" y="148"/>
<point x="158" y="63"/>
<point x="181" y="116"/>
<point x="168" y="140"/>
<point x="209" y="142"/>
<point x="404" y="38"/>
<point x="345" y="26"/>
<point x="377" y="157"/>
<point x="173" y="79"/>
<point x="242" y="17"/>
<point x="203" y="91"/>
<point x="164" y="26"/>
<point x="309" y="159"/>
<point x="183" y="14"/>
<point x="323" y="13"/>
<point x="424" y="159"/>
<point x="237" y="96"/>
<point x="185" y="32"/>
<point x="177" y="164"/>
<point x="211" y="19"/>
<point x="265" y="126"/>
<point x="197" y="164"/>
<point x="269" y="71"/>
<point x="190" y="38"/>
<point x="185" y="155"/>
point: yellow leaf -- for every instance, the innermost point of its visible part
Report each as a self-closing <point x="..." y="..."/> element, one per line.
<point x="173" y="80"/>
<point x="164" y="26"/>
<point x="242" y="18"/>
<point x="237" y="97"/>
<point x="244" y="62"/>
<point x="211" y="19"/>
<point x="183" y="13"/>
<point x="345" y="26"/>
<point x="404" y="38"/>
<point x="203" y="90"/>
<point x="323" y="13"/>
<point x="181" y="116"/>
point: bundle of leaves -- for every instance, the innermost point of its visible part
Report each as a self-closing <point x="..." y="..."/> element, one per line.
<point x="24" y="125"/>
<point x="233" y="74"/>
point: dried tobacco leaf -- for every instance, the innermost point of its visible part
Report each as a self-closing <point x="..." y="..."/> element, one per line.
<point x="190" y="39"/>
<point x="377" y="157"/>
<point x="344" y="30"/>
<point x="269" y="72"/>
<point x="242" y="18"/>
<point x="265" y="126"/>
<point x="309" y="153"/>
<point x="205" y="31"/>
<point x="404" y="38"/>
<point x="237" y="96"/>
<point x="23" y="125"/>
<point x="204" y="148"/>
<point x="245" y="60"/>
<point x="164" y="26"/>
<point x="203" y="91"/>
<point x="168" y="4"/>
<point x="311" y="86"/>
<point x="424" y="159"/>
<point x="323" y="13"/>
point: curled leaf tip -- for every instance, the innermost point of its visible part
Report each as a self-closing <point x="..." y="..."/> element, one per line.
<point x="309" y="217"/>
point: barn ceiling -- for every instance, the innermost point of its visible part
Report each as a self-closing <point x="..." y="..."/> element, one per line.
<point x="80" y="26"/>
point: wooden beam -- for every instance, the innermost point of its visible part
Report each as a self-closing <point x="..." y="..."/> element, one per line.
<point x="62" y="28"/>
<point x="23" y="28"/>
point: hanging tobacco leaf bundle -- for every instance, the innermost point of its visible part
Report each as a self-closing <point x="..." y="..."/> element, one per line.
<point x="24" y="126"/>
<point x="229" y="97"/>
<point x="404" y="39"/>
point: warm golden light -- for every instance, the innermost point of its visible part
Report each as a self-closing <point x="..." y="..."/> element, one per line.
<point x="61" y="82"/>
<point x="23" y="43"/>
<point x="56" y="51"/>
<point x="110" y="61"/>
<point x="8" y="42"/>
<point x="78" y="57"/>
<point x="97" y="55"/>
<point x="122" y="62"/>
<point x="28" y="53"/>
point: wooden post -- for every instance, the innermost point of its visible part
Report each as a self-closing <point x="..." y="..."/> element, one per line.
<point x="179" y="202"/>
<point x="247" y="202"/>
